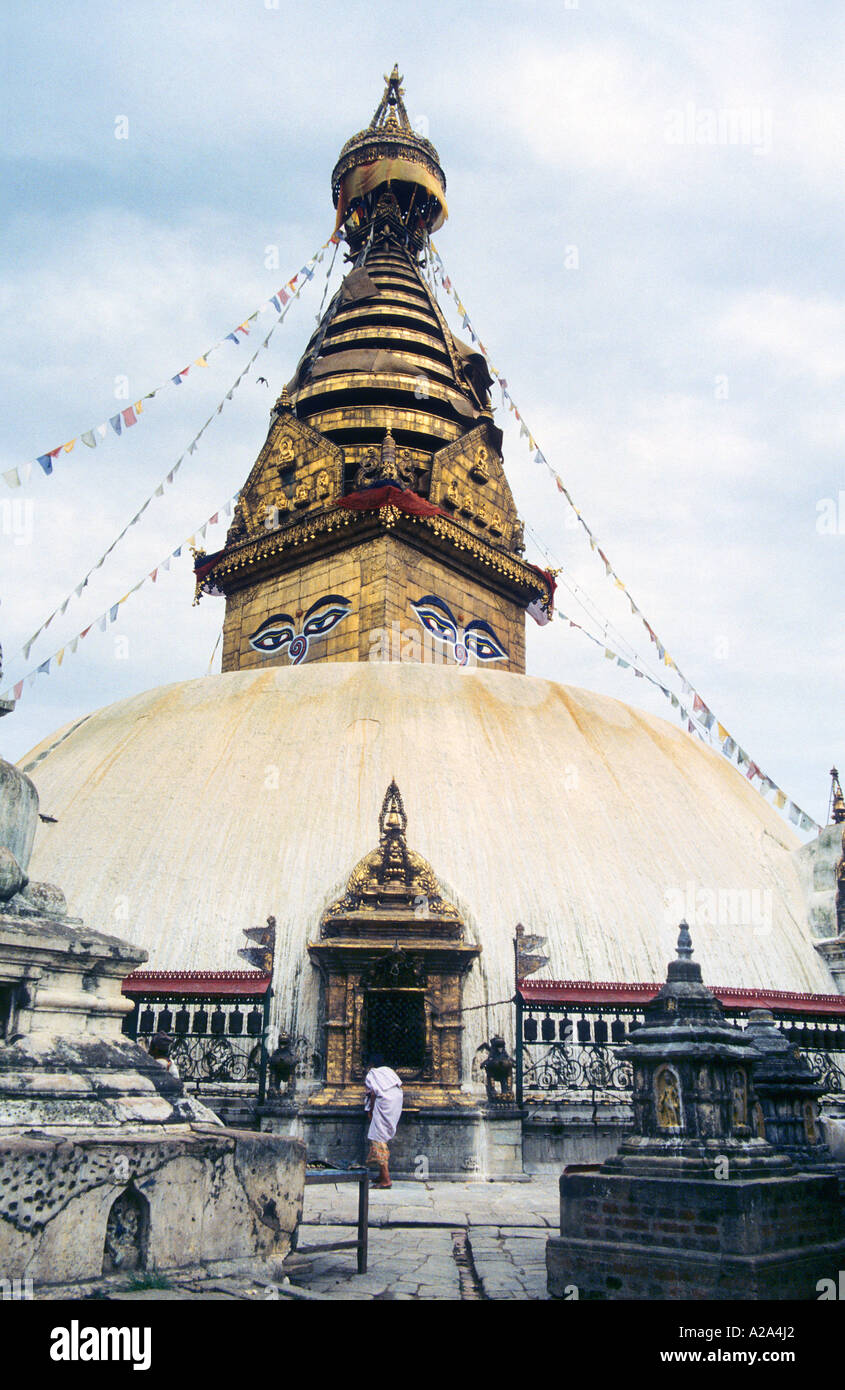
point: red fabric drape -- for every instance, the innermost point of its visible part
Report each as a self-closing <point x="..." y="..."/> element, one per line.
<point x="374" y="498"/>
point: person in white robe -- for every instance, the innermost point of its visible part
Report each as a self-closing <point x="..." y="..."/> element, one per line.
<point x="383" y="1104"/>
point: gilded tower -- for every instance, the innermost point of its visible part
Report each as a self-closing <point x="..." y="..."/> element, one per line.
<point x="377" y="521"/>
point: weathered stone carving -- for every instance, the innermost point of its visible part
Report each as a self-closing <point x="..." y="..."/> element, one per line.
<point x="498" y="1066"/>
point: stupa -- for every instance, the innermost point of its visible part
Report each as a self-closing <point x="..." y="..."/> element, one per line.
<point x="376" y="592"/>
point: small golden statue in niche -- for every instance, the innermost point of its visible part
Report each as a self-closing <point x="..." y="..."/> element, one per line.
<point x="739" y="1099"/>
<point x="452" y="498"/>
<point x="324" y="485"/>
<point x="480" y="466"/>
<point x="483" y="514"/>
<point x="668" y="1099"/>
<point x="810" y="1122"/>
<point x="300" y="497"/>
<point x="759" y="1121"/>
<point x="467" y="506"/>
<point x="283" y="455"/>
<point x="496" y="524"/>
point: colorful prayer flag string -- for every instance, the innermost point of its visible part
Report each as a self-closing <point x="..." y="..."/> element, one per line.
<point x="159" y="490"/>
<point x="109" y="615"/>
<point x="700" y="710"/>
<point x="125" y="418"/>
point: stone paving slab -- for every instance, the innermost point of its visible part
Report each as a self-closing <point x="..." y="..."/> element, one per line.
<point x="412" y="1227"/>
<point x="408" y="1202"/>
<point x="508" y="1265"/>
<point x="418" y="1268"/>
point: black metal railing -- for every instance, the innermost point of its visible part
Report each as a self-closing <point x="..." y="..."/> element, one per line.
<point x="565" y="1051"/>
<point x="212" y="1039"/>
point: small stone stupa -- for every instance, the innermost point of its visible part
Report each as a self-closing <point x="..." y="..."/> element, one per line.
<point x="787" y="1091"/>
<point x="694" y="1205"/>
<point x="107" y="1167"/>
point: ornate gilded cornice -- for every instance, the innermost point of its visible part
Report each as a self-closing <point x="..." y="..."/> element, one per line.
<point x="254" y="552"/>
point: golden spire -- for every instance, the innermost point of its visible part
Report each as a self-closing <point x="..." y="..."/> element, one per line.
<point x="836" y="798"/>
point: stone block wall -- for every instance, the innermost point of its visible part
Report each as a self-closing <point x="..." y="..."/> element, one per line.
<point x="653" y="1238"/>
<point x="207" y="1197"/>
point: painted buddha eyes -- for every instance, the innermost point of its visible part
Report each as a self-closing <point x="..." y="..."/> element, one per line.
<point x="325" y="618"/>
<point x="477" y="638"/>
<point x="279" y="631"/>
<point x="481" y="639"/>
<point x="273" y="634"/>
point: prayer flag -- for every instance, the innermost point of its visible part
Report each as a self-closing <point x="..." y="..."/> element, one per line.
<point x="129" y="417"/>
<point x="88" y="438"/>
<point x="116" y="422"/>
<point x="67" y="447"/>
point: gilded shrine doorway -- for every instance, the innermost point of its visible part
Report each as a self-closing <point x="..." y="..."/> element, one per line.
<point x="392" y="956"/>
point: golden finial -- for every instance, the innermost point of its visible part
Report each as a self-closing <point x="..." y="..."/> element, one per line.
<point x="837" y="799"/>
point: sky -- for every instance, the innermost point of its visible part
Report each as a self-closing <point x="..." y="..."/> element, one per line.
<point x="646" y="211"/>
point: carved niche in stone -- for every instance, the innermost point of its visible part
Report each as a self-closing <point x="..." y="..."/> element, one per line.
<point x="126" y="1232"/>
<point x="667" y="1088"/>
<point x="284" y="454"/>
<point x="739" y="1099"/>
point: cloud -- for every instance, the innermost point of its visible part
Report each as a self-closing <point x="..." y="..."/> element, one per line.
<point x="799" y="336"/>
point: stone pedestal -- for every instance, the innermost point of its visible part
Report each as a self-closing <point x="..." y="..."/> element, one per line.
<point x="626" y="1237"/>
<point x="452" y="1144"/>
<point x="571" y="1132"/>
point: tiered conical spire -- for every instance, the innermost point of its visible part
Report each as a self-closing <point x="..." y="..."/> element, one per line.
<point x="384" y="358"/>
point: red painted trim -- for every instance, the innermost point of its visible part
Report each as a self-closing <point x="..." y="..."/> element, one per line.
<point x="607" y="992"/>
<point x="187" y="982"/>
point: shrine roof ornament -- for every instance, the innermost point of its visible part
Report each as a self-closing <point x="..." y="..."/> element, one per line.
<point x="393" y="877"/>
<point x="389" y="152"/>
